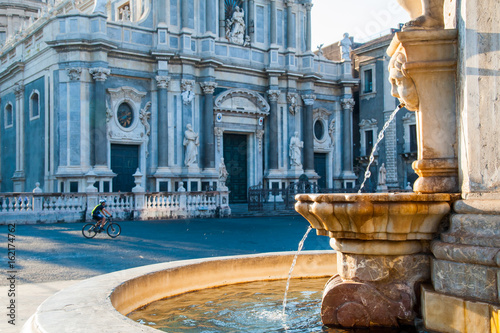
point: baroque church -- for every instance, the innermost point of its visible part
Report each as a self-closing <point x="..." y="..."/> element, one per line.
<point x="170" y="91"/>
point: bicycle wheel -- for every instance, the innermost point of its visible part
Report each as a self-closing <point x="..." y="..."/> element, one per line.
<point x="88" y="230"/>
<point x="114" y="230"/>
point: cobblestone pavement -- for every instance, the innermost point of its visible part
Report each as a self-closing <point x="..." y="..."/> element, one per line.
<point x="59" y="252"/>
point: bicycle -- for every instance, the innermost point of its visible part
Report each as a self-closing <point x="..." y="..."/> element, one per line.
<point x="90" y="230"/>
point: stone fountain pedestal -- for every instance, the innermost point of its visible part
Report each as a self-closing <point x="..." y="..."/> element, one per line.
<point x="383" y="253"/>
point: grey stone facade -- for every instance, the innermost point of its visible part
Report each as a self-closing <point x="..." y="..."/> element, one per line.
<point x="115" y="86"/>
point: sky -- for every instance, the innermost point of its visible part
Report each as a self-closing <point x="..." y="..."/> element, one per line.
<point x="360" y="18"/>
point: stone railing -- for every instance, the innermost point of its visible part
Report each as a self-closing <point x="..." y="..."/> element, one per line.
<point x="28" y="208"/>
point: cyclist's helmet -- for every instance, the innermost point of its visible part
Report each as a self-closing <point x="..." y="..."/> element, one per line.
<point x="102" y="201"/>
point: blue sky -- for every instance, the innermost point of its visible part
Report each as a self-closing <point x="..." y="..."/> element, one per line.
<point x="360" y="18"/>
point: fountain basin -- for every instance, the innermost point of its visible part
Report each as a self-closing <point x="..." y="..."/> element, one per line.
<point x="375" y="216"/>
<point x="100" y="304"/>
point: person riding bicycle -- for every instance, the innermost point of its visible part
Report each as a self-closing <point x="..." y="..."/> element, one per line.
<point x="98" y="214"/>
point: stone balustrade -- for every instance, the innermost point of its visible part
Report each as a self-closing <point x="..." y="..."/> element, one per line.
<point x="28" y="208"/>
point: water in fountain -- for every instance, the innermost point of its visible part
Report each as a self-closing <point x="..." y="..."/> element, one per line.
<point x="374" y="149"/>
<point x="301" y="245"/>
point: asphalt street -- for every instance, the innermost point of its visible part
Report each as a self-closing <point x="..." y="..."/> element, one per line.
<point x="59" y="252"/>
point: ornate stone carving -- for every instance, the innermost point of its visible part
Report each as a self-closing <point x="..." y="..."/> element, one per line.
<point x="260" y="135"/>
<point x="19" y="89"/>
<point x="424" y="14"/>
<point x="208" y="87"/>
<point x="223" y="174"/>
<point x="218" y="131"/>
<point x="74" y="73"/>
<point x="273" y="95"/>
<point x="295" y="152"/>
<point x="126" y="93"/>
<point x="309" y="99"/>
<point x="144" y="116"/>
<point x="235" y="27"/>
<point x="109" y="112"/>
<point x="162" y="81"/>
<point x="403" y="86"/>
<point x="293" y="102"/>
<point x="347" y="103"/>
<point x="100" y="73"/>
<point x="241" y="101"/>
<point x="187" y="91"/>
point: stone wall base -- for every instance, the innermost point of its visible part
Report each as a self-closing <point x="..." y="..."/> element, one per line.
<point x="451" y="314"/>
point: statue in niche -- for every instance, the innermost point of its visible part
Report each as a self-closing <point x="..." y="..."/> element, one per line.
<point x="345" y="47"/>
<point x="191" y="142"/>
<point x="295" y="152"/>
<point x="402" y="84"/>
<point x="125" y="12"/>
<point x="223" y="174"/>
<point x="188" y="94"/>
<point x="235" y="27"/>
<point x="382" y="173"/>
<point x="425" y="14"/>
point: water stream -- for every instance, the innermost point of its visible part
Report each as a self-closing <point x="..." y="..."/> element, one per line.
<point x="301" y="245"/>
<point x="374" y="149"/>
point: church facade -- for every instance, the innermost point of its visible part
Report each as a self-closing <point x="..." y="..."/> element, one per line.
<point x="176" y="91"/>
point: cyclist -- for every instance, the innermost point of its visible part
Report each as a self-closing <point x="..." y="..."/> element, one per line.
<point x="98" y="214"/>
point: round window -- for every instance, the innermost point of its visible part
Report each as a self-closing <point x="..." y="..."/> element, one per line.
<point x="319" y="129"/>
<point x="125" y="115"/>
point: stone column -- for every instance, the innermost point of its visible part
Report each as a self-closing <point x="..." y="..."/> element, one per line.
<point x="19" y="175"/>
<point x="391" y="153"/>
<point x="222" y="19"/>
<point x="273" y="129"/>
<point x="307" y="132"/>
<point x="162" y="83"/>
<point x="210" y="18"/>
<point x="99" y="138"/>
<point x="251" y="20"/>
<point x="346" y="129"/>
<point x="207" y="130"/>
<point x="308" y="26"/>
<point x="273" y="22"/>
<point x="184" y="14"/>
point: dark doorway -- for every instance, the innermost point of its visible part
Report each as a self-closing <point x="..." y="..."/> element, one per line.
<point x="320" y="168"/>
<point x="235" y="158"/>
<point x="124" y="162"/>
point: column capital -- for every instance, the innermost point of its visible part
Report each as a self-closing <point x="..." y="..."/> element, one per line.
<point x="308" y="6"/>
<point x="162" y="81"/>
<point x="19" y="89"/>
<point x="347" y="103"/>
<point x="100" y="73"/>
<point x="74" y="73"/>
<point x="208" y="87"/>
<point x="308" y="99"/>
<point x="273" y="94"/>
<point x="289" y="3"/>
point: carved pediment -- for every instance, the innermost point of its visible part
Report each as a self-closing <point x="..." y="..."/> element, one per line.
<point x="241" y="101"/>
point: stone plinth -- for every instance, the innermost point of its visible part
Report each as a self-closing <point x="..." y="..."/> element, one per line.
<point x="383" y="246"/>
<point x="426" y="62"/>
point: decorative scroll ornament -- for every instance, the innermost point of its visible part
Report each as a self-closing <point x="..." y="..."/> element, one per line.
<point x="100" y="73"/>
<point x="162" y="81"/>
<point x="74" y="74"/>
<point x="293" y="102"/>
<point x="144" y="116"/>
<point x="331" y="132"/>
<point x="19" y="89"/>
<point x="109" y="112"/>
<point x="347" y="103"/>
<point x="241" y="100"/>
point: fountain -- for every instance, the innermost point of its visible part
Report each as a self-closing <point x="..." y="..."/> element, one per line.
<point x="383" y="240"/>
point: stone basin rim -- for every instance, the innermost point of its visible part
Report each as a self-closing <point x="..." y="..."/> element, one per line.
<point x="377" y="197"/>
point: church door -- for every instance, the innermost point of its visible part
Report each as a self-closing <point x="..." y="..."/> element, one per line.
<point x="235" y="159"/>
<point x="124" y="162"/>
<point x="320" y="168"/>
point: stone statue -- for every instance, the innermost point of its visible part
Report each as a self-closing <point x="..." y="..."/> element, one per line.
<point x="187" y="95"/>
<point x="402" y="84"/>
<point x="125" y="11"/>
<point x="295" y="152"/>
<point x="345" y="47"/>
<point x="382" y="172"/>
<point x="223" y="174"/>
<point x="425" y="14"/>
<point x="191" y="142"/>
<point x="235" y="31"/>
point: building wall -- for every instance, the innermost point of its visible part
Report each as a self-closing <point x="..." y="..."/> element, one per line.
<point x="8" y="141"/>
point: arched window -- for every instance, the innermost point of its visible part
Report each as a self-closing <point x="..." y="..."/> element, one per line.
<point x="9" y="116"/>
<point x="34" y="105"/>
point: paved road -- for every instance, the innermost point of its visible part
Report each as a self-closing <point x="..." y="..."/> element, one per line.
<point x="58" y="252"/>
